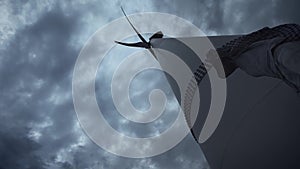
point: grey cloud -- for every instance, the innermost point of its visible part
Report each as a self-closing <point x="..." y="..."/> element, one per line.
<point x="27" y="84"/>
<point x="233" y="17"/>
<point x="17" y="151"/>
<point x="36" y="70"/>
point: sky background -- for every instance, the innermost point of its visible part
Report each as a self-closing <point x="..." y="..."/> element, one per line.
<point x="39" y="44"/>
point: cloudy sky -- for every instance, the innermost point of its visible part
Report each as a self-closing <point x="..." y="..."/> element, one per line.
<point x="39" y="45"/>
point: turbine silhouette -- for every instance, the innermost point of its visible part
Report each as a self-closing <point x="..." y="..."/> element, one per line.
<point x="143" y="43"/>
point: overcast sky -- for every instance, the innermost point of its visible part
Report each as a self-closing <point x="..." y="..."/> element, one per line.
<point x="39" y="44"/>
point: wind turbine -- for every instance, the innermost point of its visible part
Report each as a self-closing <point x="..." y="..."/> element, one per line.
<point x="143" y="43"/>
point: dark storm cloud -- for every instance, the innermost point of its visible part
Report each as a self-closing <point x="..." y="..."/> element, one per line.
<point x="38" y="75"/>
<point x="17" y="151"/>
<point x="36" y="68"/>
<point x="287" y="11"/>
<point x="231" y="17"/>
<point x="39" y="128"/>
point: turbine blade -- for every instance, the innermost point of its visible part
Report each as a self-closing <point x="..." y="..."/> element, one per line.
<point x="152" y="52"/>
<point x="136" y="31"/>
<point x="138" y="44"/>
